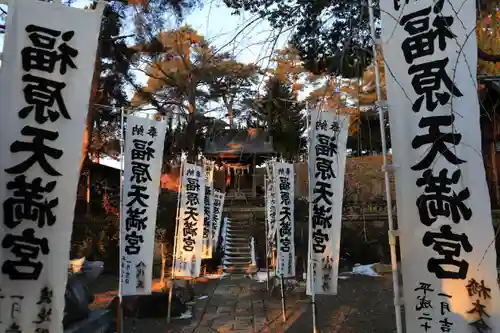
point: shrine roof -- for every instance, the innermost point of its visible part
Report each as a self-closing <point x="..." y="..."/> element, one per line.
<point x="238" y="141"/>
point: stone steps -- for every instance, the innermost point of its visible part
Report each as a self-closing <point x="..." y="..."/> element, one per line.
<point x="236" y="228"/>
<point x="238" y="258"/>
<point x="238" y="235"/>
<point x="236" y="241"/>
<point x="241" y="211"/>
<point x="238" y="250"/>
<point x="233" y="258"/>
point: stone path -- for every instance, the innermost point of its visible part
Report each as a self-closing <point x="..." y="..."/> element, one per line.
<point x="240" y="305"/>
<point x="363" y="305"/>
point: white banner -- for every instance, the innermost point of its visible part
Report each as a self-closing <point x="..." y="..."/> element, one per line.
<point x="284" y="178"/>
<point x="327" y="157"/>
<point x="224" y="234"/>
<point x="143" y="156"/>
<point x="444" y="214"/>
<point x="208" y="208"/>
<point x="45" y="82"/>
<point x="252" y="252"/>
<point x="218" y="204"/>
<point x="190" y="222"/>
<point x="270" y="203"/>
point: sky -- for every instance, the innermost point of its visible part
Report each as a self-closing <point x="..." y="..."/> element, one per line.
<point x="250" y="44"/>
<point x="250" y="39"/>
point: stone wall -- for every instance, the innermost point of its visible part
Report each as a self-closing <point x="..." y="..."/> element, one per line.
<point x="364" y="239"/>
<point x="364" y="179"/>
<point x="362" y="235"/>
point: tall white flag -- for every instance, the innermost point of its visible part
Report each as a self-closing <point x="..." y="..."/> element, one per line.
<point x="327" y="157"/>
<point x="208" y="209"/>
<point x="47" y="66"/>
<point x="190" y="222"/>
<point x="143" y="156"/>
<point x="218" y="200"/>
<point x="443" y="205"/>
<point x="270" y="203"/>
<point x="284" y="178"/>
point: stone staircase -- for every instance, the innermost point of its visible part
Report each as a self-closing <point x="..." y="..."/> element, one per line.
<point x="237" y="258"/>
<point x="241" y="209"/>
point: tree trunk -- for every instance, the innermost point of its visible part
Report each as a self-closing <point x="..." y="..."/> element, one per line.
<point x="191" y="138"/>
<point x="89" y="124"/>
<point x="191" y="130"/>
<point x="230" y="114"/>
<point x="163" y="248"/>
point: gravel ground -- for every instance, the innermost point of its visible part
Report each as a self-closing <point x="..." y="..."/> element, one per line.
<point x="363" y="305"/>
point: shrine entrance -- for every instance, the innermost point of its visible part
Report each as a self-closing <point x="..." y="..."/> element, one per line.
<point x="238" y="177"/>
<point x="237" y="154"/>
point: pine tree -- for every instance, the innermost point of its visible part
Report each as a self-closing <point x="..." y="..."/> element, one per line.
<point x="282" y="115"/>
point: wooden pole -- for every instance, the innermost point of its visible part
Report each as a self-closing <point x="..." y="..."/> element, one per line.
<point x="283" y="307"/>
<point x="254" y="176"/>
<point x="494" y="170"/>
<point x="266" y="229"/>
<point x="119" y="312"/>
<point x="310" y="278"/>
<point x="174" y="250"/>
<point x="87" y="197"/>
<point x="387" y="180"/>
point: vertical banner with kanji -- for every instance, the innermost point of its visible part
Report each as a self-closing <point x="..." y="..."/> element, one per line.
<point x="449" y="265"/>
<point x="45" y="81"/>
<point x="284" y="180"/>
<point x="218" y="207"/>
<point x="270" y="203"/>
<point x="190" y="222"/>
<point x="207" y="250"/>
<point x="143" y="156"/>
<point x="327" y="157"/>
<point x="225" y="222"/>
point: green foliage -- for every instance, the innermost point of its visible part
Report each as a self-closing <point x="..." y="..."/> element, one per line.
<point x="115" y="59"/>
<point x="166" y="221"/>
<point x="186" y="75"/>
<point x="231" y="84"/>
<point x="95" y="237"/>
<point x="281" y="113"/>
<point x="301" y="210"/>
<point x="367" y="140"/>
<point x="330" y="36"/>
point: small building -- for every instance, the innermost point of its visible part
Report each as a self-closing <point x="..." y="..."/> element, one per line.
<point x="238" y="153"/>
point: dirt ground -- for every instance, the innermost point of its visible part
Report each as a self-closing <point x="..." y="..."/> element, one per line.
<point x="364" y="305"/>
<point x="106" y="288"/>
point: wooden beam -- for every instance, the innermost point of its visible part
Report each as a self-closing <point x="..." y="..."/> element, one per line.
<point x="488" y="78"/>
